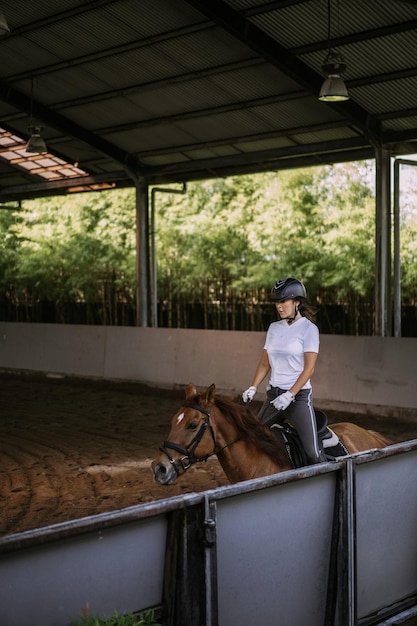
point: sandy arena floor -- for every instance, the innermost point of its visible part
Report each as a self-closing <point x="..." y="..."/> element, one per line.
<point x="69" y="449"/>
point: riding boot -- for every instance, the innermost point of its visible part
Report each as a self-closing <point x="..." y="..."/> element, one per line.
<point x="321" y="458"/>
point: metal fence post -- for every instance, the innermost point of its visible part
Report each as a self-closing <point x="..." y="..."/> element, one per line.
<point x="184" y="594"/>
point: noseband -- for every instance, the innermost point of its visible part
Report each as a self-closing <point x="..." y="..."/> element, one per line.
<point x="188" y="459"/>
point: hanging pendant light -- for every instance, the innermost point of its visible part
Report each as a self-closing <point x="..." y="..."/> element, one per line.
<point x="36" y="143"/>
<point x="334" y="88"/>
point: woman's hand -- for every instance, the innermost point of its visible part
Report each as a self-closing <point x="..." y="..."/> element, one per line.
<point x="283" y="401"/>
<point x="247" y="396"/>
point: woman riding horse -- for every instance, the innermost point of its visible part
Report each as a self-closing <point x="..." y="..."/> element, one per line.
<point x="208" y="424"/>
<point x="290" y="354"/>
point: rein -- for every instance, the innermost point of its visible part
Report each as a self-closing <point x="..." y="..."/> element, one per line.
<point x="188" y="459"/>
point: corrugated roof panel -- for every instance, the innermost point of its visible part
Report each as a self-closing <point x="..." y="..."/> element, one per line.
<point x="22" y="55"/>
<point x="255" y="120"/>
<point x="80" y="36"/>
<point x="301" y="23"/>
<point x="198" y="94"/>
<point x="361" y="16"/>
<point x="329" y="134"/>
<point x="115" y="23"/>
<point x="179" y="56"/>
<point x="242" y="5"/>
<point x="49" y="91"/>
<point x="194" y="96"/>
<point x="228" y="126"/>
<point x="401" y="124"/>
<point x="283" y="25"/>
<point x="152" y="17"/>
<point x="141" y="140"/>
<point x="107" y="114"/>
<point x="254" y="82"/>
<point x="297" y="113"/>
<point x="370" y="58"/>
<point x="121" y="71"/>
<point x="272" y="143"/>
<point x="261" y="119"/>
<point x="177" y="100"/>
<point x="162" y="79"/>
<point x="210" y="153"/>
<point x="35" y="12"/>
<point x="162" y="160"/>
<point x="381" y="98"/>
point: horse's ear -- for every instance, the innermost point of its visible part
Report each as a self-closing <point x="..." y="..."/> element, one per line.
<point x="209" y="393"/>
<point x="190" y="391"/>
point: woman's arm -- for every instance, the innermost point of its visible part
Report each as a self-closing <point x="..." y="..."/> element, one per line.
<point x="262" y="369"/>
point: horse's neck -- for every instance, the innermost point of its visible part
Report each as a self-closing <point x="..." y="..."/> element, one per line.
<point x="243" y="461"/>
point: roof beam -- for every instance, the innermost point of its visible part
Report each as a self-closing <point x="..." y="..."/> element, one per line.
<point x="220" y="169"/>
<point x="156" y="84"/>
<point x="248" y="33"/>
<point x="364" y="35"/>
<point x="51" y="188"/>
<point x="214" y="143"/>
<point x="261" y="156"/>
<point x="198" y="113"/>
<point x="63" y="124"/>
<point x="99" y="55"/>
<point x="81" y="9"/>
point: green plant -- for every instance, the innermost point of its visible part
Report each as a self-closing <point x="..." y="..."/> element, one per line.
<point x="145" y="618"/>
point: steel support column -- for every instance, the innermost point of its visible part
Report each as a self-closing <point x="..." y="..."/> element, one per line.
<point x="383" y="306"/>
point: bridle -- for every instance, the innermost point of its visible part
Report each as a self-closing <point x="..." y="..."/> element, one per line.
<point x="188" y="459"/>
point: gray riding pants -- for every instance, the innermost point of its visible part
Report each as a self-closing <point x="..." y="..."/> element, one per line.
<point x="300" y="414"/>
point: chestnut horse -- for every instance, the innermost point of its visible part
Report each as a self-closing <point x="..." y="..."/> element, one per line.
<point x="208" y="424"/>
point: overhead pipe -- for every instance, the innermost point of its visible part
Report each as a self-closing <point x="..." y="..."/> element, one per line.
<point x="154" y="294"/>
<point x="142" y="252"/>
<point x="396" y="232"/>
<point x="383" y="304"/>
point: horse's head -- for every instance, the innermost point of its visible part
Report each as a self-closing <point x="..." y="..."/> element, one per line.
<point x="191" y="438"/>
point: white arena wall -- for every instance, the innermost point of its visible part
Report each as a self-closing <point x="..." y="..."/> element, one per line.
<point x="353" y="374"/>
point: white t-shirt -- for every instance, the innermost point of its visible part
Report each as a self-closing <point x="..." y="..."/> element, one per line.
<point x="285" y="345"/>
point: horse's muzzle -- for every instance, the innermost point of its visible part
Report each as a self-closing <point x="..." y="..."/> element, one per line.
<point x="164" y="473"/>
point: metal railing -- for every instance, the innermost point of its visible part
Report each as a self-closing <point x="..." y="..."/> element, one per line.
<point x="328" y="545"/>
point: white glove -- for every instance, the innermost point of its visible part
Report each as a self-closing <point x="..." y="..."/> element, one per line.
<point x="247" y="396"/>
<point x="283" y="401"/>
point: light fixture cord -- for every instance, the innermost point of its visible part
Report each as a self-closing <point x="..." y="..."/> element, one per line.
<point x="329" y="8"/>
<point x="329" y="20"/>
<point x="338" y="18"/>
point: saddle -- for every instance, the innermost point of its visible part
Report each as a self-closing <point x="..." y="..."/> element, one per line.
<point x="329" y="442"/>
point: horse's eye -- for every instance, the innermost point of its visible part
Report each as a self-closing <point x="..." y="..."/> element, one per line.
<point x="192" y="425"/>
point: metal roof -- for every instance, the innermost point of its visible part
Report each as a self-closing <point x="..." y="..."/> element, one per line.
<point x="178" y="90"/>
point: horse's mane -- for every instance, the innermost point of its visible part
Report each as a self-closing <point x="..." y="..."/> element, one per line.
<point x="250" y="428"/>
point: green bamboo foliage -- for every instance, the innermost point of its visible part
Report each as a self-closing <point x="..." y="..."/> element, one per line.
<point x="219" y="248"/>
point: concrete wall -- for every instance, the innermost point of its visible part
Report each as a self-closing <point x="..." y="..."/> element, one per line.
<point x="357" y="374"/>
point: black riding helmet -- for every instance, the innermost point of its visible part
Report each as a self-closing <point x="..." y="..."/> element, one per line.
<point x="288" y="288"/>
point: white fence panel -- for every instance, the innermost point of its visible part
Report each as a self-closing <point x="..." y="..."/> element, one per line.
<point x="386" y="531"/>
<point x="273" y="553"/>
<point x="119" y="568"/>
